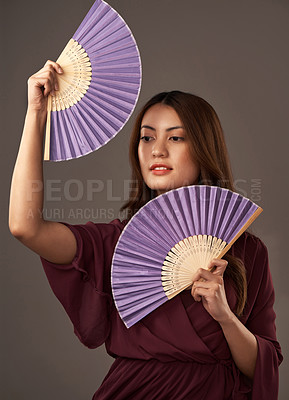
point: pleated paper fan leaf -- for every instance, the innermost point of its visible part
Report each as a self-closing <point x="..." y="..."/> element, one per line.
<point x="99" y="88"/>
<point x="167" y="240"/>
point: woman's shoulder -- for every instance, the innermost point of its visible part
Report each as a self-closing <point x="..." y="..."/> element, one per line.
<point x="91" y="234"/>
<point x="115" y="225"/>
<point x="254" y="254"/>
<point x="248" y="245"/>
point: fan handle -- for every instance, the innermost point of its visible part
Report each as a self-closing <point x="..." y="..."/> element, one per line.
<point x="47" y="133"/>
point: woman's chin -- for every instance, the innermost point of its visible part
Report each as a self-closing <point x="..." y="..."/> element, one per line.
<point x="161" y="190"/>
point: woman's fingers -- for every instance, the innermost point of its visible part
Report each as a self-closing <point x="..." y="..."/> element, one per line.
<point x="208" y="287"/>
<point x="197" y="293"/>
<point x="211" y="279"/>
<point x="53" y="69"/>
<point x="216" y="269"/>
<point x="55" y="65"/>
<point x="217" y="266"/>
<point x="43" y="83"/>
<point x="201" y="288"/>
<point x="49" y="72"/>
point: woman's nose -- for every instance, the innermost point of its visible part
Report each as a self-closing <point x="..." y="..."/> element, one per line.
<point x="159" y="149"/>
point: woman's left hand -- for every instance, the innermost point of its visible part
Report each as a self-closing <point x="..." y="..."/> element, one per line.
<point x="209" y="287"/>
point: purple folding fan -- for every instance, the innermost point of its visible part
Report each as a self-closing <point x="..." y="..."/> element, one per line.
<point x="168" y="239"/>
<point x="98" y="89"/>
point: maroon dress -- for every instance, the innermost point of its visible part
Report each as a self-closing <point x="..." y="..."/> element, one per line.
<point x="178" y="351"/>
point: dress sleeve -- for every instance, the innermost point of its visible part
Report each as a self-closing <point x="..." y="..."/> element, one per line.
<point x="261" y="322"/>
<point x="83" y="287"/>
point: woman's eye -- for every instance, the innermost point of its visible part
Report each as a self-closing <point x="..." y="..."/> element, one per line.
<point x="177" y="138"/>
<point x="146" y="138"/>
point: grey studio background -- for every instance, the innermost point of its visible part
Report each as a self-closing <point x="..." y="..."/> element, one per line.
<point x="232" y="53"/>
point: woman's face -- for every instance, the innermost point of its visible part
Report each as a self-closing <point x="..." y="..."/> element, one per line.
<point x="164" y="151"/>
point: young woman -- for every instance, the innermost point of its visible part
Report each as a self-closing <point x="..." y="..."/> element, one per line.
<point x="214" y="341"/>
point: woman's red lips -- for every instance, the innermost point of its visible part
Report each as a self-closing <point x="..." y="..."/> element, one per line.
<point x="160" y="167"/>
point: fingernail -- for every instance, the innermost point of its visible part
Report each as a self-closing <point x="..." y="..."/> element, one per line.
<point x="60" y="70"/>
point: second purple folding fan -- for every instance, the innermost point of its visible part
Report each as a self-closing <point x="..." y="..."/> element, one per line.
<point x="168" y="239"/>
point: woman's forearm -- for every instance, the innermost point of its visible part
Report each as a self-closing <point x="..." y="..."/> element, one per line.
<point x="208" y="287"/>
<point x="26" y="197"/>
<point x="242" y="343"/>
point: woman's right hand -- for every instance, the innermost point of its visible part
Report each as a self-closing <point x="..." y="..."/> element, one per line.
<point x="41" y="84"/>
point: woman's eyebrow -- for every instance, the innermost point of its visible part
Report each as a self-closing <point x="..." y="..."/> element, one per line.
<point x="174" y="127"/>
<point x="167" y="130"/>
<point x="147" y="127"/>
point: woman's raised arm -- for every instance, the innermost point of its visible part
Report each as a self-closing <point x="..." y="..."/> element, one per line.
<point x="51" y="240"/>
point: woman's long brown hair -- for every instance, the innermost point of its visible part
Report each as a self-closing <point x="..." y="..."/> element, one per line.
<point x="209" y="150"/>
